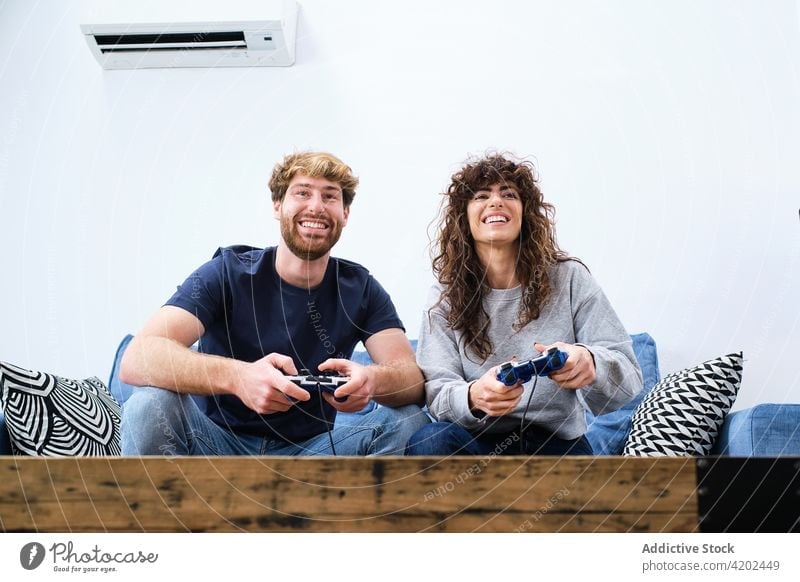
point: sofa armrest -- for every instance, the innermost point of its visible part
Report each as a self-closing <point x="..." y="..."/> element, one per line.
<point x="765" y="430"/>
<point x="5" y="441"/>
<point x="119" y="389"/>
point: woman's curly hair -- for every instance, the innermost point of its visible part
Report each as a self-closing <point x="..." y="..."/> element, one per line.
<point x="456" y="263"/>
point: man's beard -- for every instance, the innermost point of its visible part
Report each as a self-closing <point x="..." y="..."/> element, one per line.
<point x="310" y="249"/>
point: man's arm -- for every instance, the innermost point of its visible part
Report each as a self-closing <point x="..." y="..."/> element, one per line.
<point x="393" y="380"/>
<point x="395" y="375"/>
<point x="159" y="355"/>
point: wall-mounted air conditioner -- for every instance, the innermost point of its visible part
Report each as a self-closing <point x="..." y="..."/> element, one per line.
<point x="138" y="34"/>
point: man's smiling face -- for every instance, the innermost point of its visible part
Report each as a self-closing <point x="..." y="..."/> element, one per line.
<point x="312" y="216"/>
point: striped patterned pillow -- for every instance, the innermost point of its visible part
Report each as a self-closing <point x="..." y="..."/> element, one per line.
<point x="683" y="413"/>
<point x="50" y="416"/>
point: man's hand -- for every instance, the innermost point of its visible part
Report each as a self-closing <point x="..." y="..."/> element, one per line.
<point x="490" y="395"/>
<point x="359" y="389"/>
<point x="263" y="387"/>
<point x="578" y="371"/>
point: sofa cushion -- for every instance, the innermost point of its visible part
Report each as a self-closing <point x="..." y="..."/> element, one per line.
<point x="607" y="433"/>
<point x="683" y="413"/>
<point x="47" y="415"/>
<point x="765" y="430"/>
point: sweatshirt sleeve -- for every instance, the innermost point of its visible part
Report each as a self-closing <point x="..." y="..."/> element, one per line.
<point x="598" y="329"/>
<point x="439" y="357"/>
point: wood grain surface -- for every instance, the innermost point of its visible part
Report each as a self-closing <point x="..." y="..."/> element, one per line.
<point x="387" y="494"/>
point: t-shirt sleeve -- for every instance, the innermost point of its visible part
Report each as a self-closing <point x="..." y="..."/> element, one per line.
<point x="202" y="293"/>
<point x="380" y="312"/>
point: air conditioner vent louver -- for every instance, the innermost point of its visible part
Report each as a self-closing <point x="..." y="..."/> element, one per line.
<point x="168" y="38"/>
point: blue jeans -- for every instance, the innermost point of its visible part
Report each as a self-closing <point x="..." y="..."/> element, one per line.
<point x="446" y="438"/>
<point x="161" y="422"/>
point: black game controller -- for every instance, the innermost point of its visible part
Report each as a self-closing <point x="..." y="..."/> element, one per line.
<point x="323" y="381"/>
<point x="512" y="372"/>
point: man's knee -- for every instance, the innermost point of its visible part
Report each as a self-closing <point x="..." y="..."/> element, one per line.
<point x="148" y="404"/>
<point x="407" y="419"/>
<point x="391" y="428"/>
<point x="152" y="422"/>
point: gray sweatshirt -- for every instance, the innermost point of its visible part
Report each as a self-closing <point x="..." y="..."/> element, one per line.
<point x="578" y="313"/>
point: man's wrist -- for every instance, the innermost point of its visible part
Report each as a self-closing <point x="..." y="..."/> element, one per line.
<point x="228" y="375"/>
<point x="373" y="377"/>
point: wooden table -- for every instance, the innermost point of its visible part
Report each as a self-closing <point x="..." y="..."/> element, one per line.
<point x="386" y="494"/>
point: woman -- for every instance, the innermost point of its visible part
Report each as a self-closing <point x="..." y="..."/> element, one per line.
<point x="507" y="291"/>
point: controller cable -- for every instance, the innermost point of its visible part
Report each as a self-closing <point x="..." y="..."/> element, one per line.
<point x="329" y="427"/>
<point x="322" y="415"/>
<point x="522" y="426"/>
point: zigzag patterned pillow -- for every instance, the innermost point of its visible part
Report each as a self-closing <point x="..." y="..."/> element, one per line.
<point x="684" y="412"/>
<point x="55" y="417"/>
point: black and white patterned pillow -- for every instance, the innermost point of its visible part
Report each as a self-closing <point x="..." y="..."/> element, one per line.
<point x="47" y="415"/>
<point x="682" y="415"/>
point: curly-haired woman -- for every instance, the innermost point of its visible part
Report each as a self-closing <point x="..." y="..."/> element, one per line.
<point x="507" y="291"/>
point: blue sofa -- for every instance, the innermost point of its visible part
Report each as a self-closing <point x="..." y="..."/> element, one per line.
<point x="765" y="430"/>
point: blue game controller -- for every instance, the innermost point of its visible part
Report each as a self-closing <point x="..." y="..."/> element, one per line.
<point x="512" y="372"/>
<point x="323" y="381"/>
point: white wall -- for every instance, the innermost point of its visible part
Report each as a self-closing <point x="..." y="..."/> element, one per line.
<point x="666" y="133"/>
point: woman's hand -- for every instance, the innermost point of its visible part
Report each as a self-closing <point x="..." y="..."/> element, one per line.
<point x="578" y="371"/>
<point x="490" y="396"/>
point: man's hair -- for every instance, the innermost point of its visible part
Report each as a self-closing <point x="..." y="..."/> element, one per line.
<point x="456" y="263"/>
<point x="313" y="165"/>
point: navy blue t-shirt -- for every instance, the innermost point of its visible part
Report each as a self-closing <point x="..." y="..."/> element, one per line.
<point x="248" y="311"/>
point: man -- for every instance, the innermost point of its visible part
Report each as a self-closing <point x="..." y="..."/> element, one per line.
<point x="263" y="314"/>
